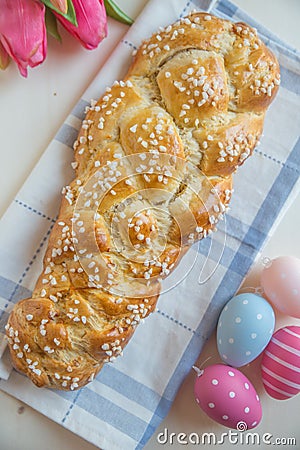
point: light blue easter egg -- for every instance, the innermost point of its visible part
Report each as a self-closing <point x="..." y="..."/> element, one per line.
<point x="245" y="327"/>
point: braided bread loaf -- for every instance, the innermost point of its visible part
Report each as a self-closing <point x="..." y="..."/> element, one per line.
<point x="154" y="163"/>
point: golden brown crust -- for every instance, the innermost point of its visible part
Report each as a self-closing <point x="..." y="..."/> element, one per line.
<point x="154" y="161"/>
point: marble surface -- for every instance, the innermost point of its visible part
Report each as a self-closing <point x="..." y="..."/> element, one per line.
<point x="41" y="102"/>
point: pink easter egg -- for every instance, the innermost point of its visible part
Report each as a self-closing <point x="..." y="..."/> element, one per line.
<point x="228" y="397"/>
<point x="280" y="280"/>
<point x="281" y="363"/>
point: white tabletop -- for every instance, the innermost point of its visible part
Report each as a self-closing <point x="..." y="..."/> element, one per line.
<point x="41" y="103"/>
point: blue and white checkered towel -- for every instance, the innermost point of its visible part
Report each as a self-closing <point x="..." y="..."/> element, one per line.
<point x="128" y="400"/>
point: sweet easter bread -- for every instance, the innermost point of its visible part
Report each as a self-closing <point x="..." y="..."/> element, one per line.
<point x="154" y="161"/>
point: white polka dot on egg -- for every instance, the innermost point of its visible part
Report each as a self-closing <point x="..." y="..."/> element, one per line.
<point x="225" y="417"/>
<point x="254" y="423"/>
<point x="230" y="373"/>
<point x="214" y="382"/>
<point x="248" y="353"/>
<point x="238" y="320"/>
<point x="247" y="409"/>
<point x="211" y="405"/>
<point x="253" y="335"/>
<point x="246" y="386"/>
<point x="259" y="316"/>
<point x="245" y="302"/>
<point x="231" y="394"/>
<point x="231" y="340"/>
<point x="197" y="400"/>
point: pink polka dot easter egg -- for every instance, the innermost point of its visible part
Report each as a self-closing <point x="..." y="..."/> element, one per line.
<point x="227" y="396"/>
<point x="280" y="280"/>
<point x="281" y="364"/>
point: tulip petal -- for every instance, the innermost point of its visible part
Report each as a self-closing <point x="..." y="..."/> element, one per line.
<point x="23" y="32"/>
<point x="92" y="22"/>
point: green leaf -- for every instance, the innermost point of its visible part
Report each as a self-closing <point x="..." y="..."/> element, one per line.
<point x="4" y="58"/>
<point x="70" y="16"/>
<point x="51" y="24"/>
<point x="115" y="12"/>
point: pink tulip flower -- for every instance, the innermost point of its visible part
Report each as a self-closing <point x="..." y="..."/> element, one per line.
<point x="92" y="22"/>
<point x="23" y="32"/>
